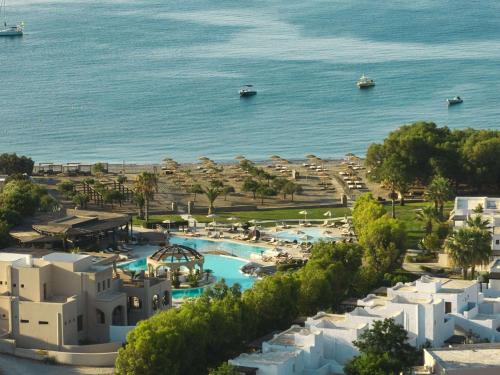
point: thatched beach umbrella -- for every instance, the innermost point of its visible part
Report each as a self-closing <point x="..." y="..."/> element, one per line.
<point x="240" y="157"/>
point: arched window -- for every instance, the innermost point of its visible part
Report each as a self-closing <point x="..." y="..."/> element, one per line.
<point x="166" y="298"/>
<point x="134" y="303"/>
<point x="156" y="302"/>
<point x="118" y="316"/>
<point x="100" y="317"/>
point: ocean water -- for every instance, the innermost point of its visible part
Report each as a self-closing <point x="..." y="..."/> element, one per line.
<point x="140" y="80"/>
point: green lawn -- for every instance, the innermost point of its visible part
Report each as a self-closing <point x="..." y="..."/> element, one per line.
<point x="279" y="214"/>
<point x="414" y="228"/>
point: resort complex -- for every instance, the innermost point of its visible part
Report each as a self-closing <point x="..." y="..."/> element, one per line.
<point x="383" y="265"/>
<point x="432" y="311"/>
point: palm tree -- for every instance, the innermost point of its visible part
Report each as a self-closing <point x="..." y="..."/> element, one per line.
<point x="439" y="191"/>
<point x="212" y="192"/>
<point x="426" y="215"/>
<point x="477" y="221"/>
<point x="146" y="184"/>
<point x="481" y="248"/>
<point x="458" y="247"/>
<point x="469" y="247"/>
<point x="227" y="190"/>
<point x="139" y="202"/>
<point x="195" y="189"/>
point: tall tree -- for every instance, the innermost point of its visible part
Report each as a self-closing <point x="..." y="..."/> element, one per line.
<point x="384" y="240"/>
<point x="439" y="191"/>
<point x="11" y="164"/>
<point x="458" y="247"/>
<point x="195" y="189"/>
<point x="427" y="215"/>
<point x="265" y="191"/>
<point x="469" y="247"/>
<point x="366" y="209"/>
<point x="383" y="350"/>
<point x="477" y="221"/>
<point x="226" y="190"/>
<point x="212" y="193"/>
<point x="292" y="188"/>
<point x="146" y="184"/>
<point x="250" y="185"/>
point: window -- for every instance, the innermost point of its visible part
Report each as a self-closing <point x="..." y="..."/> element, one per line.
<point x="1" y="282"/>
<point x="98" y="287"/>
<point x="80" y="323"/>
<point x="497" y="242"/>
<point x="101" y="319"/>
<point x="44" y="291"/>
<point x="447" y="307"/>
<point x="24" y="321"/>
<point x="14" y="285"/>
<point x="22" y="285"/>
<point x="103" y="285"/>
<point x="43" y="322"/>
<point x="109" y="283"/>
<point x="134" y="303"/>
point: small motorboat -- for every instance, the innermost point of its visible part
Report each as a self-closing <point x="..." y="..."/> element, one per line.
<point x="247" y="90"/>
<point x="365" y="82"/>
<point x="455" y="100"/>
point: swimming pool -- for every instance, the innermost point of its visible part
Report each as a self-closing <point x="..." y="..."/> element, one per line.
<point x="316" y="234"/>
<point x="223" y="267"/>
<point x="236" y="249"/>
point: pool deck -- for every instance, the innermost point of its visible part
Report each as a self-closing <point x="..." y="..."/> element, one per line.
<point x="293" y="249"/>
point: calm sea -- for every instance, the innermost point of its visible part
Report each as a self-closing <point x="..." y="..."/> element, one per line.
<point x="141" y="80"/>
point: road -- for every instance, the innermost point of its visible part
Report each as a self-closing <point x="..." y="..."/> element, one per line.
<point x="10" y="365"/>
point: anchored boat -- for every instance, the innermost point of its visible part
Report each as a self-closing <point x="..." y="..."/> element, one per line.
<point x="365" y="82"/>
<point x="247" y="90"/>
<point x="9" y="30"/>
<point x="455" y="100"/>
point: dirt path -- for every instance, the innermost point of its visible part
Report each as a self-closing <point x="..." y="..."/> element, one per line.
<point x="10" y="365"/>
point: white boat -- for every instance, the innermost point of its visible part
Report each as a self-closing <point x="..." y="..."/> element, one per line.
<point x="365" y="82"/>
<point x="9" y="30"/>
<point x="247" y="90"/>
<point x="455" y="100"/>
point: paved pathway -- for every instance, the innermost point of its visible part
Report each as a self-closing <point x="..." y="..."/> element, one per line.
<point x="10" y="365"/>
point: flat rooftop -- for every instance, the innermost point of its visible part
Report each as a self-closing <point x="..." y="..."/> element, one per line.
<point x="12" y="257"/>
<point x="274" y="357"/>
<point x="64" y="257"/>
<point x="468" y="356"/>
<point x="287" y="337"/>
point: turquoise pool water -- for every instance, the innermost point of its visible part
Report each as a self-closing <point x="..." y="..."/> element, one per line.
<point x="316" y="234"/>
<point x="224" y="267"/>
<point x="233" y="248"/>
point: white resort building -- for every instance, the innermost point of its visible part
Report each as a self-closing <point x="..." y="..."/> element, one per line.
<point x="431" y="309"/>
<point x="490" y="209"/>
